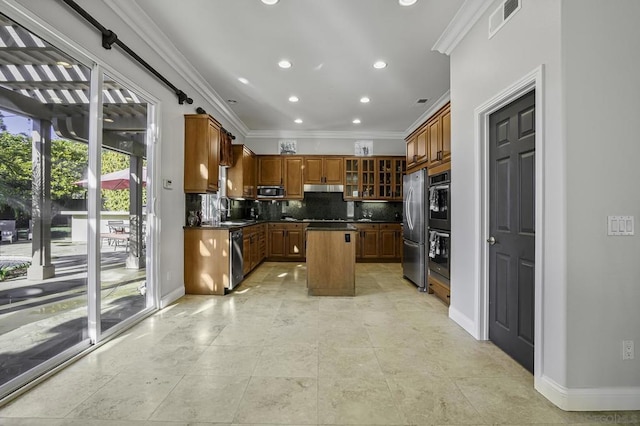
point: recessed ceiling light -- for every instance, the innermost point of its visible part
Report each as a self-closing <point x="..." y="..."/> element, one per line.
<point x="356" y="121"/>
<point x="293" y="99"/>
<point x="379" y="65"/>
<point x="270" y="2"/>
<point x="298" y="120"/>
<point x="407" y="2"/>
<point x="108" y="120"/>
<point x="284" y="64"/>
<point x="128" y="99"/>
<point x="63" y="64"/>
<point x="243" y="80"/>
<point x="364" y="100"/>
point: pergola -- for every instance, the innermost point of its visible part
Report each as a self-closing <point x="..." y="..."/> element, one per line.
<point x="39" y="81"/>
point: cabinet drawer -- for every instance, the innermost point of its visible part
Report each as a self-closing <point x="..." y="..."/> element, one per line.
<point x="390" y="226"/>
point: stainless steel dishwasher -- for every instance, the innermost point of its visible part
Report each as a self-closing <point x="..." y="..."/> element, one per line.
<point x="237" y="263"/>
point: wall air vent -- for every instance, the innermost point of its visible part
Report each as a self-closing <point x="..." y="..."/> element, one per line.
<point x="502" y="14"/>
<point x="422" y="101"/>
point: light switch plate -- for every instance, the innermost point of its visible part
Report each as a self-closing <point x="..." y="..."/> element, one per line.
<point x="167" y="183"/>
<point x="620" y="225"/>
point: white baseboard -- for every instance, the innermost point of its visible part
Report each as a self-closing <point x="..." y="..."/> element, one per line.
<point x="464" y="321"/>
<point x="591" y="399"/>
<point x="171" y="297"/>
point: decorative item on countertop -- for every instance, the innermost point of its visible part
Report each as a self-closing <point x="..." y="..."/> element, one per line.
<point x="192" y="219"/>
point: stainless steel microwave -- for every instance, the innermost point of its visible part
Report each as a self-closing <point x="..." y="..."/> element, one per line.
<point x="271" y="192"/>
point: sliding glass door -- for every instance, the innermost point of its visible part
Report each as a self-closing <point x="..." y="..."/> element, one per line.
<point x="72" y="272"/>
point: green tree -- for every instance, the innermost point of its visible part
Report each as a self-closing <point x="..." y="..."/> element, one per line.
<point x="15" y="172"/>
<point x="114" y="200"/>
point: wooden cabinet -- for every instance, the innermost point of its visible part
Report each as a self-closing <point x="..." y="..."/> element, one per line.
<point x="360" y="178"/>
<point x="270" y="170"/>
<point x="282" y="170"/>
<point x="446" y="135"/>
<point x="367" y="241"/>
<point x="241" y="176"/>
<point x="247" y="239"/>
<point x="206" y="260"/>
<point x="253" y="247"/>
<point x="439" y="286"/>
<point x="389" y="177"/>
<point x="292" y="171"/>
<point x="286" y="241"/>
<point x="226" y="149"/>
<point x="430" y="144"/>
<point x="390" y="240"/>
<point x="201" y="153"/>
<point x="323" y="170"/>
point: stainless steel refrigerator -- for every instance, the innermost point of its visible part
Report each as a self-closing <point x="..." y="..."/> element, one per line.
<point x="414" y="263"/>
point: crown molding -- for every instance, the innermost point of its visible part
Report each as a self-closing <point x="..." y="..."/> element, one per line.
<point x="442" y="101"/>
<point x="137" y="19"/>
<point x="319" y="134"/>
<point x="465" y="18"/>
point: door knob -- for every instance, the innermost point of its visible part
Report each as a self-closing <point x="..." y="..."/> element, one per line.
<point x="491" y="241"/>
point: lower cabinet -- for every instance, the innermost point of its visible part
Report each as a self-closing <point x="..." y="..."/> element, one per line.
<point x="253" y="244"/>
<point x="390" y="240"/>
<point x="286" y="241"/>
<point x="439" y="286"/>
<point x="206" y="261"/>
<point x="379" y="242"/>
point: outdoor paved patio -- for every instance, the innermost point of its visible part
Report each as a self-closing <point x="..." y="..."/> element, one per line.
<point x="39" y="319"/>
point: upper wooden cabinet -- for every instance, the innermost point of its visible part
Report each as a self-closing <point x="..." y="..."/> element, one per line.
<point x="389" y="175"/>
<point x="270" y="170"/>
<point x="323" y="170"/>
<point x="282" y="170"/>
<point x="430" y="144"/>
<point x="292" y="171"/>
<point x="360" y="178"/>
<point x="201" y="153"/>
<point x="241" y="176"/>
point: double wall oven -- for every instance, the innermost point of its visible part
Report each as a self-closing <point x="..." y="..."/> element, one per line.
<point x="439" y="220"/>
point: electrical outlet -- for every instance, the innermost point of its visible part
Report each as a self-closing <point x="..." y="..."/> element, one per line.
<point x="627" y="349"/>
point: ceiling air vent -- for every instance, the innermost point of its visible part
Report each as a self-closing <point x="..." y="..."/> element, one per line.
<point x="422" y="101"/>
<point x="502" y="14"/>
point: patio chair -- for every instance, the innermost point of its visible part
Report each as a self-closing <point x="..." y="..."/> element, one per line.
<point x="9" y="232"/>
<point x="118" y="234"/>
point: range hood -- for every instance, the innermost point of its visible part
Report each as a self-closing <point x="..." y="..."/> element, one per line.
<point x="324" y="188"/>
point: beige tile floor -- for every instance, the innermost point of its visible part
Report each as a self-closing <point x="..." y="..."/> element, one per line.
<point x="270" y="354"/>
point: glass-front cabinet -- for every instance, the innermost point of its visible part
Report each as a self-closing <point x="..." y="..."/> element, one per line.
<point x="360" y="179"/>
<point x="390" y="171"/>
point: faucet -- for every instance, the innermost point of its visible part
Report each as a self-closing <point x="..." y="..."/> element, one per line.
<point x="224" y="204"/>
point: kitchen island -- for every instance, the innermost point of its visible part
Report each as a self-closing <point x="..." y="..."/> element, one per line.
<point x="331" y="259"/>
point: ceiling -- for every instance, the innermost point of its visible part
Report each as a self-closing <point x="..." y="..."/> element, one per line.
<point x="332" y="45"/>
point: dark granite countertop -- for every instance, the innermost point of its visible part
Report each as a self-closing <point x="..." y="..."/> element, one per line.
<point x="241" y="223"/>
<point x="331" y="226"/>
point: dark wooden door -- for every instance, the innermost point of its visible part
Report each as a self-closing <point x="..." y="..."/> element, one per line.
<point x="512" y="229"/>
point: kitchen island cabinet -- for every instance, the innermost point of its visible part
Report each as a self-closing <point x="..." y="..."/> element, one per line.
<point x="331" y="258"/>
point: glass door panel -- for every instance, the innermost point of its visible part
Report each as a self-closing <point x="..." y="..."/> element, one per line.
<point x="43" y="213"/>
<point x="123" y="217"/>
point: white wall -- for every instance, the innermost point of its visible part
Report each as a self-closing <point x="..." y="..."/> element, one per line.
<point x="481" y="69"/>
<point x="169" y="162"/>
<point x="601" y="60"/>
<point x="324" y="146"/>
